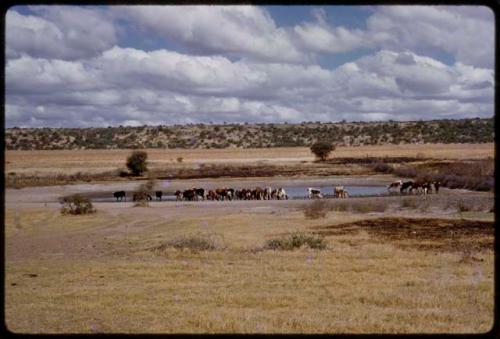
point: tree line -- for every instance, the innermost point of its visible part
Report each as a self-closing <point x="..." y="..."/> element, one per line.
<point x="252" y="135"/>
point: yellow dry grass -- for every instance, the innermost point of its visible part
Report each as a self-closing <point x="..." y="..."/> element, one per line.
<point x="359" y="284"/>
<point x="95" y="161"/>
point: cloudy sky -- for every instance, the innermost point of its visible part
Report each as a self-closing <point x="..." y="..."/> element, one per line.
<point x="96" y="66"/>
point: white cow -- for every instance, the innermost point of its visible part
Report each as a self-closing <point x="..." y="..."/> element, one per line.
<point x="281" y="194"/>
<point x="267" y="193"/>
<point x="314" y="193"/>
<point x="395" y="185"/>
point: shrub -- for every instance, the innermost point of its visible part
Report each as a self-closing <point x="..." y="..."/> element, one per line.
<point x="179" y="159"/>
<point x="322" y="149"/>
<point x="296" y="240"/>
<point x="137" y="162"/>
<point x="76" y="204"/>
<point x="382" y="167"/>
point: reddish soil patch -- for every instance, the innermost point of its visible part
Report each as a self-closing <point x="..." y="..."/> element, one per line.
<point x="422" y="233"/>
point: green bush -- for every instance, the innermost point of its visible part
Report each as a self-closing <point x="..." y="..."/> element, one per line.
<point x="137" y="162"/>
<point x="76" y="204"/>
<point x="296" y="240"/>
<point x="322" y="149"/>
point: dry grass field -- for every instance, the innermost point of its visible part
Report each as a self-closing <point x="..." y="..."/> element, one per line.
<point x="417" y="264"/>
<point x="95" y="161"/>
<point x="113" y="271"/>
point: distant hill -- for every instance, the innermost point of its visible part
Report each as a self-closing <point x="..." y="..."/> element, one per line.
<point x="252" y="135"/>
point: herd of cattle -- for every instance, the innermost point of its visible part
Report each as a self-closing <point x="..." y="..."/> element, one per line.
<point x="268" y="193"/>
<point x="219" y="194"/>
<point x="413" y="187"/>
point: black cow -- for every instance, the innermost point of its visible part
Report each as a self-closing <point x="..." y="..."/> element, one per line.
<point x="158" y="195"/>
<point x="120" y="195"/>
<point x="245" y="194"/>
<point x="406" y="186"/>
<point x="189" y="195"/>
<point x="436" y="186"/>
<point x="200" y="192"/>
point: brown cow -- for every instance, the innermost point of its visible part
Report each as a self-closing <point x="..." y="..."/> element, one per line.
<point x="258" y="193"/>
<point x="211" y="195"/>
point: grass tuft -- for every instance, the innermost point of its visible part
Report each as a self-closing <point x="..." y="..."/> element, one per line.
<point x="195" y="243"/>
<point x="295" y="241"/>
<point x="316" y="209"/>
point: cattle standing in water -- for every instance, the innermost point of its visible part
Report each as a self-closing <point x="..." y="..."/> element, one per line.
<point x="178" y="195"/>
<point x="189" y="195"/>
<point x="436" y="186"/>
<point x="394" y="185"/>
<point x="200" y="193"/>
<point x="223" y="194"/>
<point x="340" y="192"/>
<point x="417" y="187"/>
<point x="267" y="193"/>
<point x="314" y="193"/>
<point x="248" y="194"/>
<point x="258" y="193"/>
<point x="211" y="195"/>
<point x="120" y="195"/>
<point x="141" y="196"/>
<point x="230" y="193"/>
<point x="158" y="195"/>
<point x="406" y="186"/>
<point x="281" y="194"/>
<point x="427" y="187"/>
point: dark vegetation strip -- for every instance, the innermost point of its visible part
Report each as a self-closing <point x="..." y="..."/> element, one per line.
<point x="14" y="180"/>
<point x="454" y="235"/>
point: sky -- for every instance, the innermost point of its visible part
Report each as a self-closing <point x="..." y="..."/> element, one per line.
<point x="99" y="66"/>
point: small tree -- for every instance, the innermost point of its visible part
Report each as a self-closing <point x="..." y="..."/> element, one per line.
<point x="322" y="149"/>
<point x="136" y="162"/>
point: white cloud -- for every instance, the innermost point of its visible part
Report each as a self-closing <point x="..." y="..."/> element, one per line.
<point x="62" y="72"/>
<point x="246" y="31"/>
<point x="319" y="36"/>
<point x="467" y="32"/>
<point x="126" y="85"/>
<point x="61" y="32"/>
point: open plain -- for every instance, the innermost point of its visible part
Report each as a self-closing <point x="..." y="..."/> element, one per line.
<point x="392" y="264"/>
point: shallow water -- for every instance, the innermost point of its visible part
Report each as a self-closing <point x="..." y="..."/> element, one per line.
<point x="293" y="192"/>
